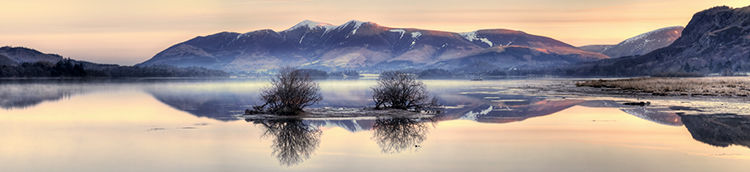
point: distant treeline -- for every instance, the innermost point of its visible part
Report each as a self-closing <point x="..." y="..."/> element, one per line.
<point x="458" y="74"/>
<point x="319" y="74"/>
<point x="577" y="71"/>
<point x="73" y="68"/>
<point x="619" y="71"/>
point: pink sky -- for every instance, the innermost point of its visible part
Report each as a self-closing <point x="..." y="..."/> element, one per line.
<point x="129" y="32"/>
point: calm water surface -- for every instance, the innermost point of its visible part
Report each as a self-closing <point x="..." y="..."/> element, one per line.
<point x="192" y="125"/>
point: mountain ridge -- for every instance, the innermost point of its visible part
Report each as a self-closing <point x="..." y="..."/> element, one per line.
<point x="17" y="55"/>
<point x="715" y="41"/>
<point x="639" y="44"/>
<point x="355" y="44"/>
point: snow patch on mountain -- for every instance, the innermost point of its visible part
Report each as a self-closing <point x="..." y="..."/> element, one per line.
<point x="302" y="38"/>
<point x="647" y="34"/>
<point x="472" y="36"/>
<point x="357" y="126"/>
<point x="640" y="44"/>
<point x="356" y="24"/>
<point x="310" y="63"/>
<point x="398" y="31"/>
<point x="312" y="25"/>
<point x="416" y="35"/>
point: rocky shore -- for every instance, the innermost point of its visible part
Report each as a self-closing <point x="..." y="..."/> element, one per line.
<point x="705" y="86"/>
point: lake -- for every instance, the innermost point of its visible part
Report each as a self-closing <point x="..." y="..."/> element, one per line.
<point x="491" y="125"/>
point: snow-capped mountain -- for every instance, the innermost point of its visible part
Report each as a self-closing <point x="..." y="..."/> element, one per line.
<point x="363" y="46"/>
<point x="640" y="44"/>
<point x="599" y="48"/>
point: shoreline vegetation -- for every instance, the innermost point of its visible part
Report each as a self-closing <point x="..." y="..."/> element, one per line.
<point x="657" y="86"/>
<point x="68" y="68"/>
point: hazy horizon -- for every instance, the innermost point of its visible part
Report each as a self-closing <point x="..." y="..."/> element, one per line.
<point x="127" y="33"/>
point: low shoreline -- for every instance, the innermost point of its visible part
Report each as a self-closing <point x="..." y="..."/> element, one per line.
<point x="706" y="86"/>
<point x="719" y="96"/>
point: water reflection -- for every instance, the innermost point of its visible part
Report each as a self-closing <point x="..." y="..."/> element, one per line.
<point x="351" y="125"/>
<point x="216" y="104"/>
<point x="658" y="115"/>
<point x="395" y="135"/>
<point x="224" y="100"/>
<point x="719" y="129"/>
<point x="542" y="130"/>
<point x="29" y="94"/>
<point x="293" y="140"/>
<point x="504" y="112"/>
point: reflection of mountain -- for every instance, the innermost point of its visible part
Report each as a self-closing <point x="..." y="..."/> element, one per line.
<point x="535" y="109"/>
<point x="655" y="115"/>
<point x="353" y="125"/>
<point x="225" y="103"/>
<point x="503" y="113"/>
<point x="21" y="95"/>
<point x="293" y="140"/>
<point x="499" y="108"/>
<point x="481" y="105"/>
<point x="719" y="129"/>
<point x="395" y="135"/>
<point x="658" y="115"/>
<point x="213" y="104"/>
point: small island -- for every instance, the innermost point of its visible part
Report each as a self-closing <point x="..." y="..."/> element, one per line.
<point x="398" y="94"/>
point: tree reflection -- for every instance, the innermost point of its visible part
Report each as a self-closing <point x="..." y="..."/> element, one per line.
<point x="293" y="140"/>
<point x="395" y="135"/>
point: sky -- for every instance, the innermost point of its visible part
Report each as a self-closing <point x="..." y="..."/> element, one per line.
<point x="130" y="32"/>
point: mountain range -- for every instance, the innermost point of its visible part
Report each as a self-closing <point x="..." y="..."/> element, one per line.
<point x="16" y="62"/>
<point x="716" y="40"/>
<point x="639" y="45"/>
<point x="367" y="46"/>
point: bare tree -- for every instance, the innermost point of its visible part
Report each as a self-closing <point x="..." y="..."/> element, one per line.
<point x="291" y="91"/>
<point x="293" y="140"/>
<point x="395" y="135"/>
<point x="400" y="90"/>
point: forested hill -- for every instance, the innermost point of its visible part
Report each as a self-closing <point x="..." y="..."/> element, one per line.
<point x="73" y="68"/>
